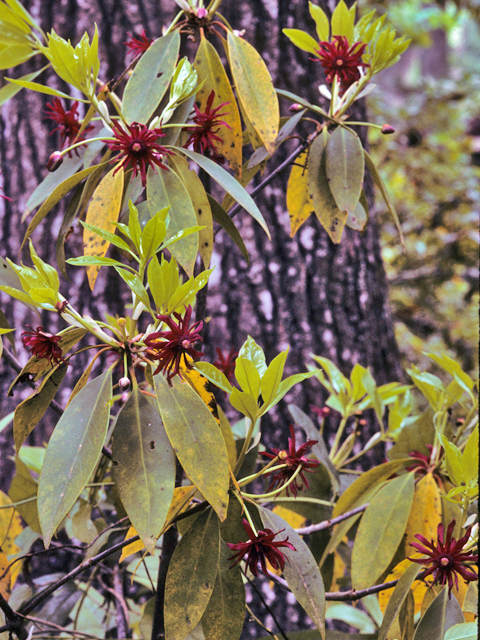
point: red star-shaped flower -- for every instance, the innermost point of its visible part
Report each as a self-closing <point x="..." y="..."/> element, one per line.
<point x="67" y="121"/>
<point x="342" y="61"/>
<point x="43" y="345"/>
<point x="293" y="459"/>
<point x="138" y="147"/>
<point x="424" y="465"/>
<point x="178" y="343"/>
<point x="138" y="44"/>
<point x="226" y="363"/>
<point x="259" y="548"/>
<point x="446" y="559"/>
<point x="203" y="135"/>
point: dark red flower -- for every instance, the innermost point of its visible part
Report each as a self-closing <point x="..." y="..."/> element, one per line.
<point x="293" y="458"/>
<point x="139" y="44"/>
<point x="259" y="548"/>
<point x="424" y="465"/>
<point x="67" y="121"/>
<point x="43" y="345"/>
<point x="178" y="343"/>
<point x="138" y="147"/>
<point x="340" y="60"/>
<point x="446" y="557"/>
<point x="203" y="134"/>
<point x="226" y="364"/>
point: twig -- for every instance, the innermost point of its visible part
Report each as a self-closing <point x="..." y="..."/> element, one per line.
<point x="15" y="621"/>
<point x="326" y="524"/>
<point x="260" y="623"/>
<point x="269" y="610"/>
<point x="47" y="623"/>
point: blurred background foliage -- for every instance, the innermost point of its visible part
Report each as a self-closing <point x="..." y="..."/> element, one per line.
<point x="431" y="166"/>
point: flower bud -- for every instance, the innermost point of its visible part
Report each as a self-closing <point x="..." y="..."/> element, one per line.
<point x="387" y="129"/>
<point x="295" y="107"/>
<point x="54" y="161"/>
<point x="202" y="13"/>
<point x="124" y="383"/>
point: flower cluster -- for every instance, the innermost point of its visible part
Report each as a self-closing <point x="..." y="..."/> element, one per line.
<point x="68" y="124"/>
<point x="258" y="548"/>
<point x="178" y="343"/>
<point x="226" y="363"/>
<point x="43" y="345"/>
<point x="446" y="559"/>
<point x="203" y="136"/>
<point x="138" y="147"/>
<point x="139" y="44"/>
<point x="293" y="459"/>
<point x="342" y="61"/>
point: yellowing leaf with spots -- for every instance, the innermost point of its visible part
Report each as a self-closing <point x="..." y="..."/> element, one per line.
<point x="10" y="528"/>
<point x="255" y="89"/>
<point x="419" y="589"/>
<point x="426" y="512"/>
<point x="181" y="499"/>
<point x="5" y="576"/>
<point x="102" y="212"/>
<point x="295" y="520"/>
<point x="299" y="204"/>
<point x="210" y="68"/>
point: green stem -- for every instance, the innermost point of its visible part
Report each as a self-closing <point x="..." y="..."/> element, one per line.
<point x="338" y="437"/>
<point x="325" y="503"/>
<point x="274" y="493"/>
<point x="246" y="445"/>
<point x="254" y="476"/>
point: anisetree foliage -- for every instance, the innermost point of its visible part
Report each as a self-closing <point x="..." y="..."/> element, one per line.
<point x="143" y="458"/>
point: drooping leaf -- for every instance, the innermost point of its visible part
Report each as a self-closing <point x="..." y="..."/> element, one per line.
<point x="144" y="467"/>
<point x="254" y="88"/>
<point x="301" y="570"/>
<point x="24" y="487"/>
<point x="73" y="452"/>
<point x="326" y="209"/>
<point x="345" y="168"/>
<point x="191" y="576"/>
<point x="221" y="217"/>
<point x="164" y="188"/>
<point x="261" y="155"/>
<point x="299" y="204"/>
<point x="224" y="616"/>
<point x="381" y="530"/>
<point x="9" y="90"/>
<point x="397" y="599"/>
<point x="196" y="439"/>
<point x="30" y="411"/>
<point x="442" y="614"/>
<point x="150" y="79"/>
<point x="211" y="71"/>
<point x="102" y="213"/>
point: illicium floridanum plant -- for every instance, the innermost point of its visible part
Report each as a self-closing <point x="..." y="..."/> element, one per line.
<point x="146" y="437"/>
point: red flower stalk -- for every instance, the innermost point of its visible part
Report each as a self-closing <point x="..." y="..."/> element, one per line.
<point x="139" y="44"/>
<point x="226" y="363"/>
<point x="340" y="60"/>
<point x="138" y="147"/>
<point x="43" y="345"/>
<point x="259" y="548"/>
<point x="293" y="458"/>
<point x="178" y="343"/>
<point x="446" y="557"/>
<point x="203" y="136"/>
<point x="67" y="121"/>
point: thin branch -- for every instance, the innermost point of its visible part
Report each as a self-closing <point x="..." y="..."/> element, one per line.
<point x="326" y="524"/>
<point x="267" y="607"/>
<point x="15" y="621"/>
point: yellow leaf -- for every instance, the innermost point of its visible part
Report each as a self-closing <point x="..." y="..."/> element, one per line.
<point x="201" y="385"/>
<point x="10" y="528"/>
<point x="295" y="520"/>
<point x="461" y="592"/>
<point x="418" y="589"/>
<point x="5" y="576"/>
<point x="210" y="68"/>
<point x="426" y="512"/>
<point x="181" y="499"/>
<point x="102" y="212"/>
<point x="299" y="204"/>
<point x="255" y="89"/>
<point x="338" y="570"/>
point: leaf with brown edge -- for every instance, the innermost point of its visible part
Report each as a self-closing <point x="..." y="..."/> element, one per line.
<point x="102" y="213"/>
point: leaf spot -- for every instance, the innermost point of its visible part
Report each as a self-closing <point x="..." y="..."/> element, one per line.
<point x="152" y="445"/>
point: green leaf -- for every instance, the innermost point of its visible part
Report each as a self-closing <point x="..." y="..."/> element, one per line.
<point x="165" y="189"/>
<point x="228" y="182"/>
<point x="345" y="168"/>
<point x="15" y="54"/>
<point x="254" y="89"/>
<point x="321" y="21"/>
<point x="196" y="439"/>
<point x="397" y="599"/>
<point x="247" y="376"/>
<point x="339" y="383"/>
<point x="329" y="215"/>
<point x="191" y="576"/>
<point x="23" y="486"/>
<point x="284" y="387"/>
<point x="453" y="460"/>
<point x="213" y="374"/>
<point x="253" y="352"/>
<point x="9" y="90"/>
<point x="301" y="570"/>
<point x="149" y="81"/>
<point x="73" y="452"/>
<point x="225" y="613"/>
<point x="352" y="616"/>
<point x="301" y="39"/>
<point x="245" y="403"/>
<point x="372" y="392"/>
<point x="462" y="631"/>
<point x="452" y="367"/>
<point x="381" y="530"/>
<point x="89" y="261"/>
<point x="135" y="285"/>
<point x="343" y="20"/>
<point x="443" y="613"/>
<point x="31" y="410"/>
<point x="470" y="457"/>
<point x="221" y="217"/>
<point x="144" y="467"/>
<point x="111" y="238"/>
<point x="39" y="88"/>
<point x="272" y="377"/>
